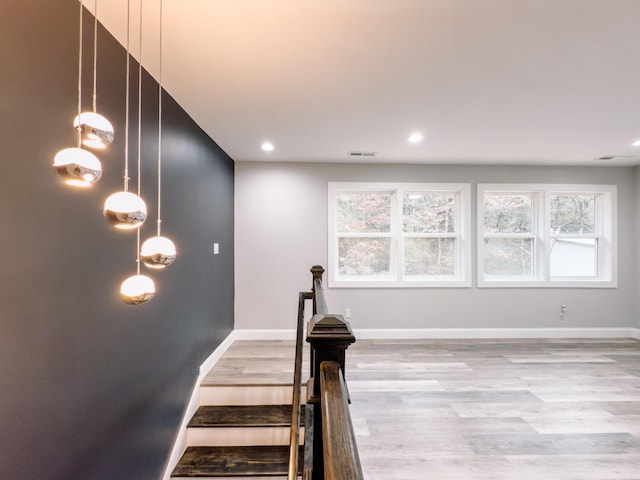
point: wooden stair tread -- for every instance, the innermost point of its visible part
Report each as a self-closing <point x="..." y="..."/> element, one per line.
<point x="235" y="461"/>
<point x="244" y="416"/>
<point x="246" y="384"/>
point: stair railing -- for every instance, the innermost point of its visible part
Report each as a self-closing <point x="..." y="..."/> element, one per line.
<point x="340" y="450"/>
<point x="294" y="438"/>
<point x="331" y="451"/>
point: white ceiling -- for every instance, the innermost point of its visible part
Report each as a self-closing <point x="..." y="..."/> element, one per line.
<point x="485" y="81"/>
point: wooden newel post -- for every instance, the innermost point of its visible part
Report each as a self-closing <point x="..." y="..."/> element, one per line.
<point x="330" y="336"/>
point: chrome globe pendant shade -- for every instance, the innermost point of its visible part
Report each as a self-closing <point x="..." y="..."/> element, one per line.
<point x="159" y="252"/>
<point x="137" y="289"/>
<point x="95" y="130"/>
<point x="125" y="210"/>
<point x="78" y="167"/>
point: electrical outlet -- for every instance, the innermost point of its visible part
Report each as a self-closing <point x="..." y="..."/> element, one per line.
<point x="563" y="311"/>
<point x="347" y="313"/>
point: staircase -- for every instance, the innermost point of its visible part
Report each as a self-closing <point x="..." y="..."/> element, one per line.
<point x="240" y="431"/>
<point x="242" y="428"/>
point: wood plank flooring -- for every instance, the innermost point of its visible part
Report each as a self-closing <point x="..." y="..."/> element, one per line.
<point x="479" y="409"/>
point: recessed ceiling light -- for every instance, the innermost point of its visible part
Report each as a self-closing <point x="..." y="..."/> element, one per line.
<point x="415" y="137"/>
<point x="636" y="143"/>
<point x="613" y="157"/>
<point x="362" y="154"/>
<point x="267" y="147"/>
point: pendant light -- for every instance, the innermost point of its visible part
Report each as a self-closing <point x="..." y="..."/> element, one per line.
<point x="95" y="130"/>
<point x="138" y="288"/>
<point x="125" y="210"/>
<point x="159" y="252"/>
<point x="78" y="167"/>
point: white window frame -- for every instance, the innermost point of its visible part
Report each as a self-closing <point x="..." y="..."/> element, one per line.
<point x="606" y="235"/>
<point x="396" y="278"/>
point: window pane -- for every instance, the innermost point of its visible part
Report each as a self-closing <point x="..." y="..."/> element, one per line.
<point x="508" y="213"/>
<point x="574" y="257"/>
<point x="573" y="213"/>
<point x="429" y="213"/>
<point x="429" y="256"/>
<point x="508" y="256"/>
<point x="364" y="256"/>
<point x="363" y="212"/>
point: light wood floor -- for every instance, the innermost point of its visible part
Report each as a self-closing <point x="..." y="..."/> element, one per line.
<point x="479" y="409"/>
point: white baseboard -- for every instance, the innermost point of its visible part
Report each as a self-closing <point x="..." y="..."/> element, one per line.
<point x="504" y="333"/>
<point x="180" y="443"/>
<point x="459" y="333"/>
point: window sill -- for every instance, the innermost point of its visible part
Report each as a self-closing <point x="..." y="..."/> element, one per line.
<point x="386" y="283"/>
<point x="597" y="283"/>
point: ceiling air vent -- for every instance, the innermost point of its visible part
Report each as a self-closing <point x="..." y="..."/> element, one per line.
<point x="613" y="157"/>
<point x="362" y="154"/>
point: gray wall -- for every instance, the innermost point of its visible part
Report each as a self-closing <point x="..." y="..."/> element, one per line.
<point x="281" y="229"/>
<point x="90" y="387"/>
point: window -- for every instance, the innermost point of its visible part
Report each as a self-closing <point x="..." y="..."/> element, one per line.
<point x="399" y="235"/>
<point x="546" y="235"/>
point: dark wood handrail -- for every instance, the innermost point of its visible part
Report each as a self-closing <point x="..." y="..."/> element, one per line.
<point x="294" y="438"/>
<point x="330" y="449"/>
<point x="340" y="451"/>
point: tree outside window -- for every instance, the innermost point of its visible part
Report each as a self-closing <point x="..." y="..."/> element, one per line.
<point x="429" y="228"/>
<point x="363" y="224"/>
<point x="399" y="234"/>
<point x="543" y="235"/>
<point x="508" y="233"/>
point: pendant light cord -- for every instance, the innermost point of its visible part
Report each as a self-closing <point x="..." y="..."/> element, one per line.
<point x="95" y="54"/>
<point x="140" y="97"/>
<point x="126" y="113"/>
<point x="160" y="127"/>
<point x="138" y="255"/>
<point x="79" y="127"/>
<point x="139" y="133"/>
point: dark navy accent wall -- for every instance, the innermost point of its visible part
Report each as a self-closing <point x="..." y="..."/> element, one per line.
<point x="90" y="387"/>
